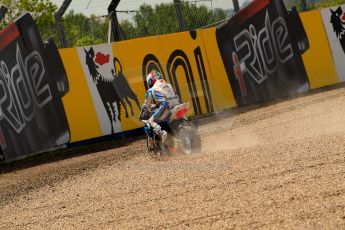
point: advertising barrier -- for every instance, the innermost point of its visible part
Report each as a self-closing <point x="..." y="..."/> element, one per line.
<point x="318" y="60"/>
<point x="261" y="48"/>
<point x="51" y="97"/>
<point x="32" y="82"/>
<point x="115" y="80"/>
<point x="334" y="20"/>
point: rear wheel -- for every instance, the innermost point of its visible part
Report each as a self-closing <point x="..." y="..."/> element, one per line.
<point x="189" y="139"/>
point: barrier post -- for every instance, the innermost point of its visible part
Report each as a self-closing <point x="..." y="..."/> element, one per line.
<point x="180" y="20"/>
<point x="236" y="5"/>
<point x="58" y="20"/>
<point x="114" y="25"/>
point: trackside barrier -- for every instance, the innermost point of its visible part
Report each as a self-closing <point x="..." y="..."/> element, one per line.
<point x="334" y="20"/>
<point x="32" y="82"/>
<point x="261" y="53"/>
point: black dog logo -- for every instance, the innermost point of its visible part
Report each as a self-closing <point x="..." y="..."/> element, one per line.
<point x="337" y="18"/>
<point x="113" y="89"/>
<point x="123" y="88"/>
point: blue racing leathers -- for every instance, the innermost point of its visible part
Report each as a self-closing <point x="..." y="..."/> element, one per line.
<point x="164" y="98"/>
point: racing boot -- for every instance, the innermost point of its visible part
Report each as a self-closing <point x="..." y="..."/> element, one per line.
<point x="163" y="135"/>
<point x="158" y="130"/>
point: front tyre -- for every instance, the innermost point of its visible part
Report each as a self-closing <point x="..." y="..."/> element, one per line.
<point x="189" y="139"/>
<point x="153" y="146"/>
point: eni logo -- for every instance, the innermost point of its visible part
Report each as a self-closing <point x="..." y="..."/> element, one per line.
<point x="23" y="89"/>
<point x="259" y="53"/>
<point x="179" y="59"/>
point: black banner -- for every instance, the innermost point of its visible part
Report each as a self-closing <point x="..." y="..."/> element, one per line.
<point x="32" y="81"/>
<point x="261" y="48"/>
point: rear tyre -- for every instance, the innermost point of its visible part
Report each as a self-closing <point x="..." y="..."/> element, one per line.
<point x="189" y="139"/>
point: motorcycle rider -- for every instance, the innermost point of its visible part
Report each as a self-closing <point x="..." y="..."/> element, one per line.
<point x="163" y="98"/>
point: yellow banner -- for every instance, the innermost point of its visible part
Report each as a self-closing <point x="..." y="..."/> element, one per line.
<point x="78" y="105"/>
<point x="318" y="59"/>
<point x="108" y="81"/>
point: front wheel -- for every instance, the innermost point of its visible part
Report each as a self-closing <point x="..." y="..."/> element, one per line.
<point x="189" y="139"/>
<point x="155" y="146"/>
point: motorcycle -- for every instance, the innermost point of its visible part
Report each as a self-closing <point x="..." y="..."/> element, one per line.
<point x="183" y="136"/>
